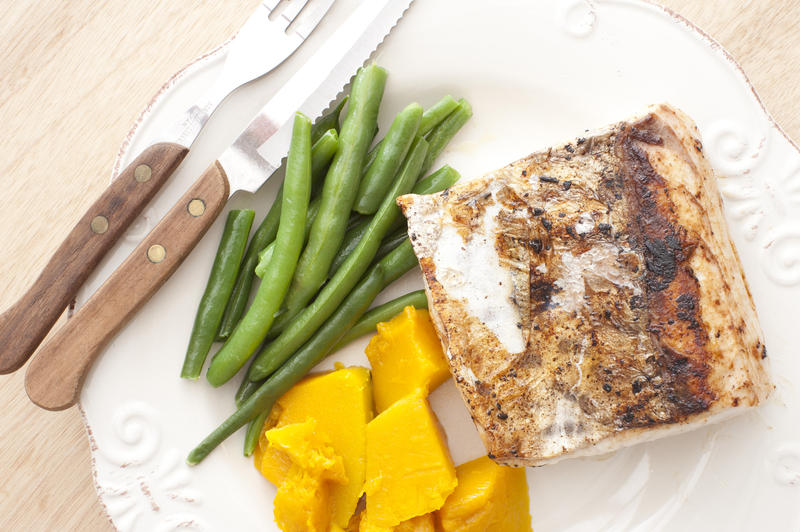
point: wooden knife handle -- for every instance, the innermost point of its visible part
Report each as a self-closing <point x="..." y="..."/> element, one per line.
<point x="56" y="373"/>
<point x="25" y="324"/>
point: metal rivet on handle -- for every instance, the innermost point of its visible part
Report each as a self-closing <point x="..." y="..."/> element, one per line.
<point x="156" y="253"/>
<point x="196" y="207"/>
<point x="99" y="224"/>
<point x="142" y="173"/>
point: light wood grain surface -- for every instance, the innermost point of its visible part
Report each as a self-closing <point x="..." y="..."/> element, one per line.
<point x="75" y="75"/>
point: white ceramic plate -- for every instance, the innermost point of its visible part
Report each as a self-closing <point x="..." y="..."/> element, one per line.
<point x="536" y="73"/>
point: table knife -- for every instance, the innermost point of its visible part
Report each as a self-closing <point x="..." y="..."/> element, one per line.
<point x="261" y="44"/>
<point x="56" y="374"/>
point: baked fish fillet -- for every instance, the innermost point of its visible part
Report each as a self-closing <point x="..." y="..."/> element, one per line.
<point x="589" y="296"/>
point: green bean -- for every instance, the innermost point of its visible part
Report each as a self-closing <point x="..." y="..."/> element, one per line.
<point x="253" y="328"/>
<point x="439" y="180"/>
<point x="317" y="348"/>
<point x="378" y="178"/>
<point x="340" y="188"/>
<point x="351" y="240"/>
<point x="327" y="123"/>
<point x="245" y="390"/>
<point x="435" y="114"/>
<point x="313" y="316"/>
<point x="430" y="118"/>
<point x="446" y="130"/>
<point x="321" y="154"/>
<point x="354" y="220"/>
<point x="218" y="289"/>
<point x="370" y="157"/>
<point x="266" y="253"/>
<point x="369" y="321"/>
<point x="389" y="243"/>
<point x="254" y="432"/>
<point x="264" y="256"/>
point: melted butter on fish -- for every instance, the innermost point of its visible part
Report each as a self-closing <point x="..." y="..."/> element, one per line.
<point x="470" y="270"/>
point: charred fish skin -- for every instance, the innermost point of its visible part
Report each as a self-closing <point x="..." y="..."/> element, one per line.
<point x="589" y="296"/>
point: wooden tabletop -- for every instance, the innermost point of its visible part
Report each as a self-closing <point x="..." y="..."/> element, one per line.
<point x="82" y="73"/>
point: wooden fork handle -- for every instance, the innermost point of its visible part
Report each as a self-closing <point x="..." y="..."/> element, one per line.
<point x="25" y="324"/>
<point x="57" y="372"/>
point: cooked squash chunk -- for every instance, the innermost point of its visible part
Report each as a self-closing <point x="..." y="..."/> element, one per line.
<point x="489" y="498"/>
<point x="302" y="500"/>
<point x="341" y="404"/>
<point x="409" y="469"/>
<point x="405" y="356"/>
<point x="302" y="503"/>
<point x="308" y="448"/>
<point x="421" y="523"/>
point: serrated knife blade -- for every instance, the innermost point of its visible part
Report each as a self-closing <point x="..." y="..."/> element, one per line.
<point x="257" y="152"/>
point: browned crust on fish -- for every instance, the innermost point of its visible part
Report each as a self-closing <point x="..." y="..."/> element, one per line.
<point x="633" y="315"/>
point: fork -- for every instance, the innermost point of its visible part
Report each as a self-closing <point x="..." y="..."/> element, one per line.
<point x="270" y="35"/>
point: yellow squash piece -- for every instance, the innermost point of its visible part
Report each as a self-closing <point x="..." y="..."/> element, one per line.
<point x="308" y="448"/>
<point x="341" y="404"/>
<point x="406" y="356"/>
<point x="489" y="498"/>
<point x="409" y="469"/>
<point x="302" y="501"/>
<point x="421" y="523"/>
<point x="365" y="525"/>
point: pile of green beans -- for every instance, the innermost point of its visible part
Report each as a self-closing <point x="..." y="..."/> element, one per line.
<point x="347" y="276"/>
<point x="333" y="239"/>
